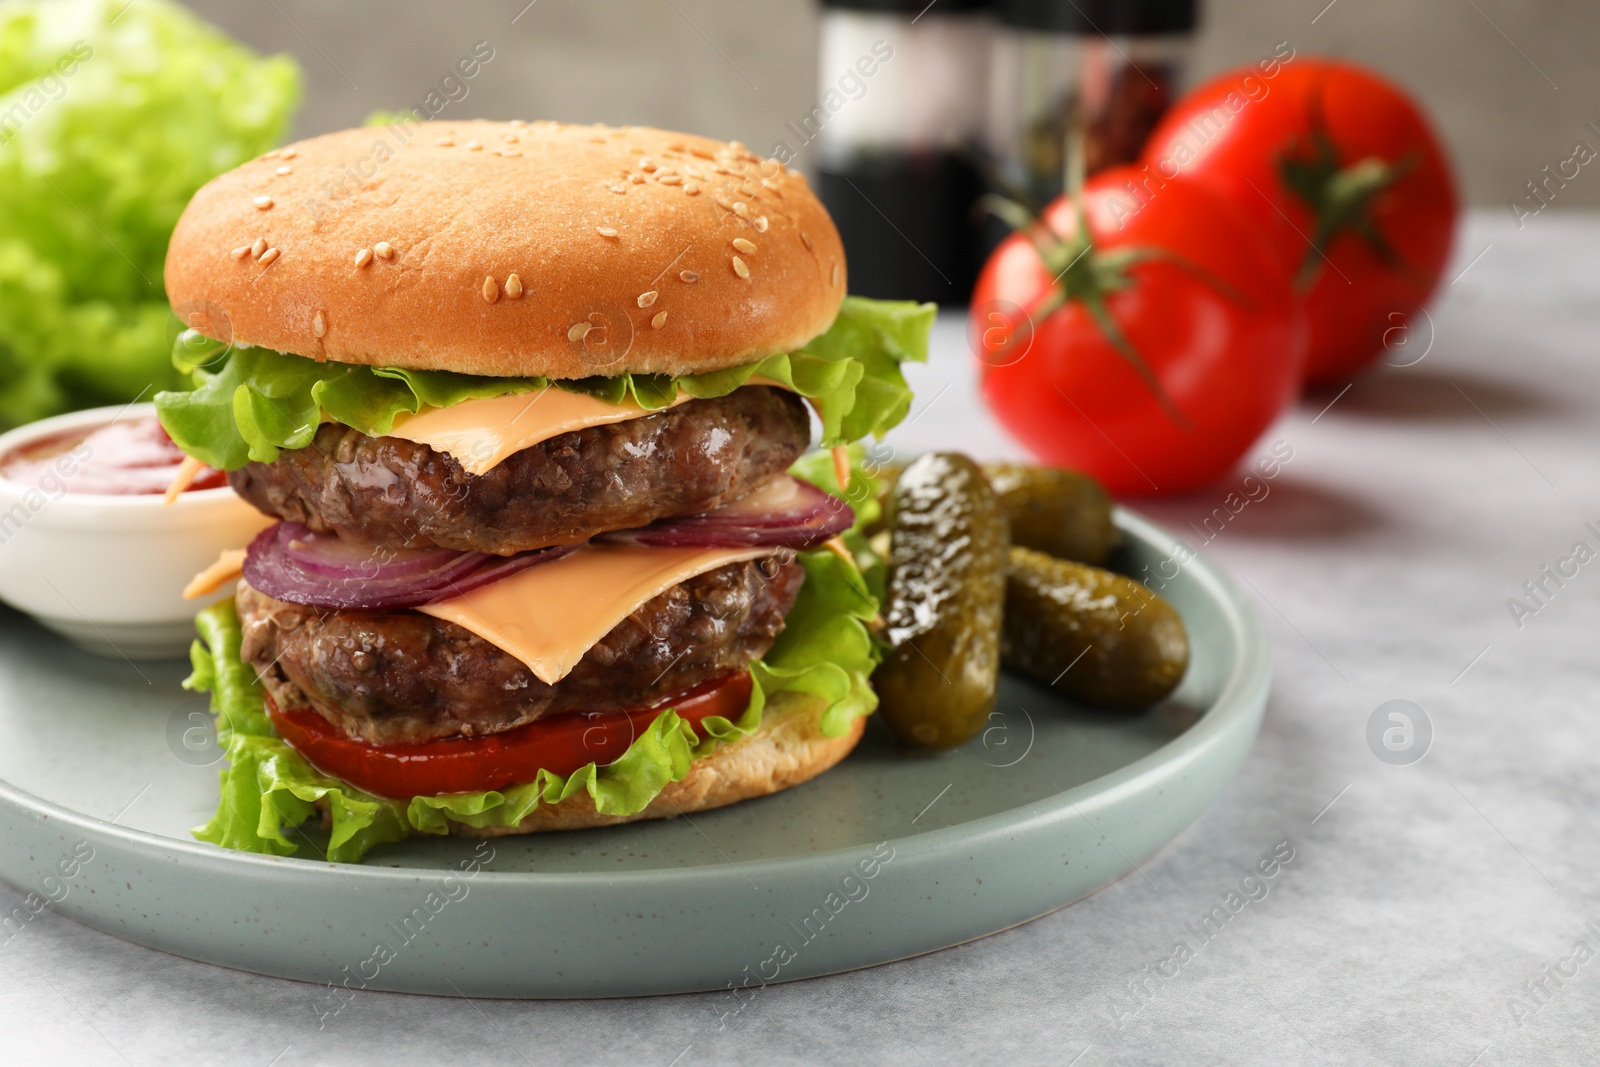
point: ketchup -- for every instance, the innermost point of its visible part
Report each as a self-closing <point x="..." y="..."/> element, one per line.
<point x="122" y="458"/>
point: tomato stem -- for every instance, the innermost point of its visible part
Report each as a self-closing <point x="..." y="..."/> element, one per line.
<point x="1340" y="197"/>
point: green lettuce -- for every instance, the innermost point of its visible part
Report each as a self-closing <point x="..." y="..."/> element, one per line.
<point x="863" y="496"/>
<point x="821" y="661"/>
<point x="248" y="403"/>
<point x="112" y="115"/>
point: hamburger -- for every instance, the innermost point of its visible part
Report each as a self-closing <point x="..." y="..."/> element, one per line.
<point x="531" y="404"/>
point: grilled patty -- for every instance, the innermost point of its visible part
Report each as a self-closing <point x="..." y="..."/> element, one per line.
<point x="388" y="677"/>
<point x="400" y="494"/>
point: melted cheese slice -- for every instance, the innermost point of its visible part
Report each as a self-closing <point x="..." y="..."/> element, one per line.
<point x="482" y="433"/>
<point x="550" y="615"/>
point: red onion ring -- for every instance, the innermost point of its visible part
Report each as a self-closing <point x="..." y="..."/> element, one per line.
<point x="291" y="563"/>
<point x="785" y="513"/>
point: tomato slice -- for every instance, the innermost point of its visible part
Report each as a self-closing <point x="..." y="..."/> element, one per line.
<point x="476" y="764"/>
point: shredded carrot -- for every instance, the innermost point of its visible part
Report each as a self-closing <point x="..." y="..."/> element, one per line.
<point x="188" y="470"/>
<point x="229" y="565"/>
<point x="836" y="545"/>
<point x="841" y="467"/>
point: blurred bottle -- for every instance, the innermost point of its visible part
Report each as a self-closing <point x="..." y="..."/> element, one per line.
<point x="1114" y="66"/>
<point x="903" y="95"/>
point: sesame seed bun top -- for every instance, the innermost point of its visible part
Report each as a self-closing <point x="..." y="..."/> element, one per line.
<point x="510" y="249"/>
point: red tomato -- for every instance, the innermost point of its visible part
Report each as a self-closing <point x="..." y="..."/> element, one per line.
<point x="1214" y="321"/>
<point x="1324" y="149"/>
<point x="473" y="765"/>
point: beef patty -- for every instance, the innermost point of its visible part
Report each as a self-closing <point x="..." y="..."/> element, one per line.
<point x="395" y="676"/>
<point x="400" y="494"/>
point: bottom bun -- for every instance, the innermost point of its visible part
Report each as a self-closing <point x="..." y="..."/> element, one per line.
<point x="786" y="750"/>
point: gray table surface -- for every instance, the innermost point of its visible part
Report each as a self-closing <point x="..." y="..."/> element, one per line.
<point x="1429" y="911"/>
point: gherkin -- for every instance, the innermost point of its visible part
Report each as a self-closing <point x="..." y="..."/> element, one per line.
<point x="1062" y="512"/>
<point x="946" y="588"/>
<point x="1102" y="639"/>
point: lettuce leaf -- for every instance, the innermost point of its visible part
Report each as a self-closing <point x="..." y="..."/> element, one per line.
<point x="863" y="496"/>
<point x="111" y="116"/>
<point x="823" y="658"/>
<point x="248" y="403"/>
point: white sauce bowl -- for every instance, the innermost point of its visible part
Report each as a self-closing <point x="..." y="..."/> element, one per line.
<point x="108" y="571"/>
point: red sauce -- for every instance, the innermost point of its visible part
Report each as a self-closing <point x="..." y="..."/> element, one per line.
<point x="560" y="744"/>
<point x="122" y="458"/>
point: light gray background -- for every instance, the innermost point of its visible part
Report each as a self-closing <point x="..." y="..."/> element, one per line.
<point x="1510" y="83"/>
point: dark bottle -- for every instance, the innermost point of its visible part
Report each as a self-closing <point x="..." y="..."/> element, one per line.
<point x="1113" y="66"/>
<point x="903" y="98"/>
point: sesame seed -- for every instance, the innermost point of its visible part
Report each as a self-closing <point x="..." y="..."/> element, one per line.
<point x="579" y="331"/>
<point x="637" y="179"/>
<point x="268" y="256"/>
<point x="383" y="250"/>
<point x="805" y="239"/>
<point x="692" y="171"/>
<point x="761" y="224"/>
<point x="836" y="274"/>
<point x="319" y="324"/>
<point x="744" y="245"/>
<point x="507" y="153"/>
<point x="741" y="209"/>
<point x="737" y="146"/>
<point x="621" y="188"/>
<point x="688" y="276"/>
<point x="647" y="164"/>
<point x="749" y="190"/>
<point x="635" y="149"/>
<point x="474" y="146"/>
<point x="446" y="142"/>
<point x="670" y="179"/>
<point x="284" y="170"/>
<point x="605" y="231"/>
<point x="287" y="153"/>
<point x="519" y="123"/>
<point x="691" y="190"/>
<point x="491" y="291"/>
<point x="646" y="299"/>
<point x="509" y="138"/>
<point x="513" y="287"/>
<point x="363" y="257"/>
<point x="258" y="247"/>
<point x="659" y="321"/>
<point x="240" y="252"/>
<point x="701" y="153"/>
<point x="675" y="146"/>
<point x="740" y="269"/>
<point x="597" y="140"/>
<point x="262" y="203"/>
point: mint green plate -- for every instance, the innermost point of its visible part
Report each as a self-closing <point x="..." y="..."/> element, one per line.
<point x="104" y="766"/>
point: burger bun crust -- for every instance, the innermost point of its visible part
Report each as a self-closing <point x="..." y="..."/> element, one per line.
<point x="510" y="249"/>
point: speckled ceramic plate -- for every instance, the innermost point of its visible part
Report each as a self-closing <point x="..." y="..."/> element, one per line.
<point x="104" y="766"/>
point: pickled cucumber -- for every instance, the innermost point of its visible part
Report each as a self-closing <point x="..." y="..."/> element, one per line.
<point x="1062" y="512"/>
<point x="947" y="579"/>
<point x="1100" y="638"/>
